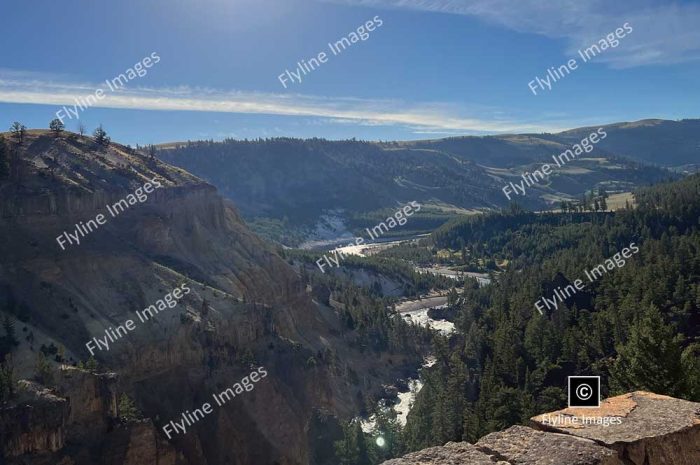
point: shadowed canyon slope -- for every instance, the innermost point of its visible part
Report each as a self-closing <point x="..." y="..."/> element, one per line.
<point x="246" y="308"/>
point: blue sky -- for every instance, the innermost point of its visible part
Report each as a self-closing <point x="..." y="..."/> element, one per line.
<point x="434" y="68"/>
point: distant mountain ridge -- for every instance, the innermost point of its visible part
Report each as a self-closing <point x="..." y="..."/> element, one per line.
<point x="653" y="141"/>
<point x="298" y="181"/>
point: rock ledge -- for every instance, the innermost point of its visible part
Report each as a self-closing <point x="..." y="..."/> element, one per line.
<point x="638" y="428"/>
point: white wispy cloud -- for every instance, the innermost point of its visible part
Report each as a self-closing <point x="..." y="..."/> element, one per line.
<point x="665" y="32"/>
<point x="436" y="116"/>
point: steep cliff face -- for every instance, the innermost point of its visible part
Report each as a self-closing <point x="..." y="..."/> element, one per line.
<point x="34" y="423"/>
<point x="40" y="426"/>
<point x="244" y="307"/>
<point x="137" y="443"/>
<point x="92" y="401"/>
<point x="639" y="428"/>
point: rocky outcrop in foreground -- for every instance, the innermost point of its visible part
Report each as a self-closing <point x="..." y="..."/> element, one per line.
<point x="639" y="428"/>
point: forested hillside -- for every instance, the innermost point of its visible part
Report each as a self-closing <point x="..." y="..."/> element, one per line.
<point x="301" y="178"/>
<point x="637" y="326"/>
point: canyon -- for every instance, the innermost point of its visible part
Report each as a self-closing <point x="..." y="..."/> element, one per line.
<point x="247" y="308"/>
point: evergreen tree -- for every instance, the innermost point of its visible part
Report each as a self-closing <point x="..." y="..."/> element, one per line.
<point x="650" y="360"/>
<point x="691" y="366"/>
<point x="19" y="132"/>
<point x="56" y="126"/>
<point x="352" y="449"/>
<point x="452" y="297"/>
<point x="101" y="137"/>
<point x="454" y="398"/>
<point x="43" y="370"/>
<point x="471" y="426"/>
<point x="91" y="364"/>
<point x="127" y="408"/>
<point x="386" y="437"/>
<point x="418" y="433"/>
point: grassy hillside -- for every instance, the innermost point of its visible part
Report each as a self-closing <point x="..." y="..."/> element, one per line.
<point x="652" y="141"/>
<point x="661" y="142"/>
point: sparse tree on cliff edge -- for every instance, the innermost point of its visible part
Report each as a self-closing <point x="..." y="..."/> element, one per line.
<point x="44" y="370"/>
<point x="19" y="131"/>
<point x="101" y="136"/>
<point x="81" y="129"/>
<point x="91" y="364"/>
<point x="56" y="126"/>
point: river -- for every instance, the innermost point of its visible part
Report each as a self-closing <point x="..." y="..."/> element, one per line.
<point x="482" y="278"/>
<point x="405" y="400"/>
<point x="416" y="311"/>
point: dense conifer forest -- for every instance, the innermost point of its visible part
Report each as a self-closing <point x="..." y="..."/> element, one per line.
<point x="637" y="326"/>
